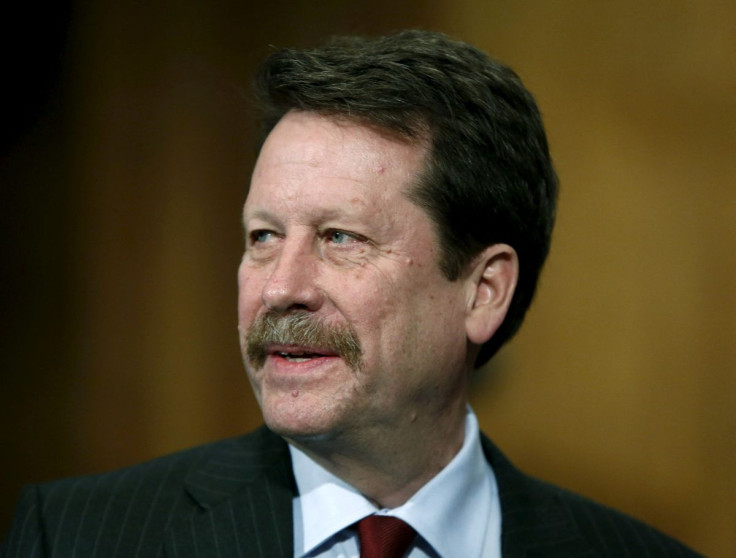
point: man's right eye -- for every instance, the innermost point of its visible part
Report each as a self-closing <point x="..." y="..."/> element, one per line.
<point x="260" y="236"/>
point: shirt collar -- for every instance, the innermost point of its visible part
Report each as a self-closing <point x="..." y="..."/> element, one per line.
<point x="326" y="504"/>
<point x="451" y="512"/>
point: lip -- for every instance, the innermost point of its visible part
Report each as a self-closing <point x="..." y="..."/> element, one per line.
<point x="277" y="350"/>
<point x="279" y="365"/>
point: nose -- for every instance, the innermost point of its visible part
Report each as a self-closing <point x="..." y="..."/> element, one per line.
<point x="292" y="282"/>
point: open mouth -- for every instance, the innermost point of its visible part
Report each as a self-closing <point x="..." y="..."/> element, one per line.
<point x="299" y="356"/>
<point x="299" y="338"/>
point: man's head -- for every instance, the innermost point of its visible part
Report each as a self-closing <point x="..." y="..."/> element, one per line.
<point x="488" y="178"/>
<point x="397" y="182"/>
<point x="347" y="323"/>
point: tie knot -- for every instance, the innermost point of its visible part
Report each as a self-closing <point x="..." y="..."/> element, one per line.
<point x="382" y="536"/>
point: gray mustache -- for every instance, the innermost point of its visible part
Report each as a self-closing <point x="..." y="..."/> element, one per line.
<point x="301" y="328"/>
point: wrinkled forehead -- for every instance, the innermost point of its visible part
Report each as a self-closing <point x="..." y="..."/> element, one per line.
<point x="336" y="148"/>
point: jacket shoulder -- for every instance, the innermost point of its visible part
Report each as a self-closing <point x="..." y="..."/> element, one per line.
<point x="541" y="519"/>
<point x="123" y="512"/>
<point x="162" y="472"/>
<point x="609" y="532"/>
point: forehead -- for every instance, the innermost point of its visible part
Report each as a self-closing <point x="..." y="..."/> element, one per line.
<point x="307" y="153"/>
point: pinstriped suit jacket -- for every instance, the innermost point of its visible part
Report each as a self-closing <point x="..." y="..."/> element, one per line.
<point x="233" y="499"/>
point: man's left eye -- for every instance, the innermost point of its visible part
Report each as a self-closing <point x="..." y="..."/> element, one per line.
<point x="340" y="237"/>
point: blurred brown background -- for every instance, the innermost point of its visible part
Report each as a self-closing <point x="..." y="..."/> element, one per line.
<point x="127" y="148"/>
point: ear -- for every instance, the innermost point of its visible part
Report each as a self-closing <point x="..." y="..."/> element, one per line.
<point x="491" y="286"/>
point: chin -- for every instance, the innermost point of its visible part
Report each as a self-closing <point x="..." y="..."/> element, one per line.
<point x="300" y="421"/>
<point x="301" y="435"/>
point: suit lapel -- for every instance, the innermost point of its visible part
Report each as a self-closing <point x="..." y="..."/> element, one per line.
<point x="244" y="498"/>
<point x="534" y="523"/>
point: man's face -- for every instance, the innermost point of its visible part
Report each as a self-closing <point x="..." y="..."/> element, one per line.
<point x="332" y="239"/>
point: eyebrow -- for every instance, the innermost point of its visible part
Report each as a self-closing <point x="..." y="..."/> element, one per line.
<point x="324" y="215"/>
<point x="262" y="214"/>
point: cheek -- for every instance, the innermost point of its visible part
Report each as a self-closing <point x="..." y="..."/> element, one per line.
<point x="249" y="293"/>
<point x="385" y="315"/>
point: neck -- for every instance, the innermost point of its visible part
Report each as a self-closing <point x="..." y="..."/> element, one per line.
<point x="388" y="468"/>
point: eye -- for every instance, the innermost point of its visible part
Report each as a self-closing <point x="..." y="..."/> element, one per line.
<point x="342" y="237"/>
<point x="339" y="237"/>
<point x="260" y="236"/>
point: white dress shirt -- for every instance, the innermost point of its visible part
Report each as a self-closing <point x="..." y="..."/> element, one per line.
<point x="456" y="514"/>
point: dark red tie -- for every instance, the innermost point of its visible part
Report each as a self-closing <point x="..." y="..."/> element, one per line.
<point x="382" y="536"/>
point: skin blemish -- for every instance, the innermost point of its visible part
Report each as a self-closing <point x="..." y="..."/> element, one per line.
<point x="295" y="393"/>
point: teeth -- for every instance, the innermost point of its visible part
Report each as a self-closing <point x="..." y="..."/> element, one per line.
<point x="301" y="357"/>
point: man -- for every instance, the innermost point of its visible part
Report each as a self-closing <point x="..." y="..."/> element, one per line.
<point x="398" y="217"/>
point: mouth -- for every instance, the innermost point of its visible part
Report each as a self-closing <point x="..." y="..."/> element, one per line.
<point x="298" y="338"/>
<point x="298" y="357"/>
<point x="298" y="354"/>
